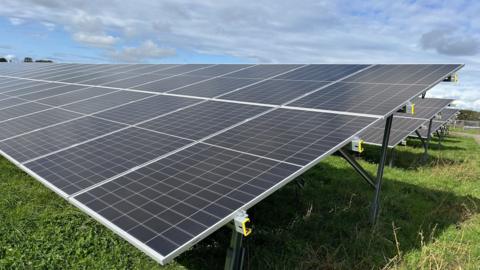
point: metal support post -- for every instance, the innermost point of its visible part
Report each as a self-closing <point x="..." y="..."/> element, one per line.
<point x="427" y="141"/>
<point x="240" y="229"/>
<point x="381" y="165"/>
<point x="235" y="252"/>
<point x="440" y="137"/>
<point x="358" y="168"/>
<point x="392" y="157"/>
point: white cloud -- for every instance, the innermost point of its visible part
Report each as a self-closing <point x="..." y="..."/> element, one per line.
<point x="95" y="40"/>
<point x="146" y="50"/>
<point x="311" y="31"/>
<point x="50" y="26"/>
<point x="16" y="21"/>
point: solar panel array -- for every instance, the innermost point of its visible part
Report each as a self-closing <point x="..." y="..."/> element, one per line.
<point x="166" y="154"/>
<point x="446" y="115"/>
<point x="405" y="124"/>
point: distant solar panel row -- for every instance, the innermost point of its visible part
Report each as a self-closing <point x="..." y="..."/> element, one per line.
<point x="166" y="154"/>
<point x="405" y="124"/>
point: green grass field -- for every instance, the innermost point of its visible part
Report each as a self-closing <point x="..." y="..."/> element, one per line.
<point x="430" y="219"/>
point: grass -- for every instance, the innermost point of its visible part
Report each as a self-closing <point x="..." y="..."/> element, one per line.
<point x="429" y="220"/>
<point x="468" y="130"/>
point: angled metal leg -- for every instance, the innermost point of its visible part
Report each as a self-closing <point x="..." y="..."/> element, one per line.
<point x="381" y="165"/>
<point x="358" y="168"/>
<point x="235" y="252"/>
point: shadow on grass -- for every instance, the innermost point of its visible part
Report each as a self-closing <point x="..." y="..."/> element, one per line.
<point x="434" y="145"/>
<point x="327" y="226"/>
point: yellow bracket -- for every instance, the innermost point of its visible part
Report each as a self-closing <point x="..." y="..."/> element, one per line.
<point x="360" y="146"/>
<point x="241" y="222"/>
<point x="246" y="230"/>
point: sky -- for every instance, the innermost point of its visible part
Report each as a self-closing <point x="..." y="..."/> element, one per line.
<point x="261" y="31"/>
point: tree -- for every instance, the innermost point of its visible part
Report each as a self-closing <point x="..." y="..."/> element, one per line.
<point x="469" y="115"/>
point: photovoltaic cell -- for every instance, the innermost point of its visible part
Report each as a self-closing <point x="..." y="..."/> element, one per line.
<point x="203" y="119"/>
<point x="51" y="139"/>
<point x="214" y="87"/>
<point x="104" y="102"/>
<point x="322" y="72"/>
<point x="90" y="163"/>
<point x="142" y="110"/>
<point x="275" y="92"/>
<point x="294" y="136"/>
<point x="171" y="201"/>
<point x="35" y="121"/>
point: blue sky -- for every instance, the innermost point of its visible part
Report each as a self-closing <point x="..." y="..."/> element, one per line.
<point x="262" y="31"/>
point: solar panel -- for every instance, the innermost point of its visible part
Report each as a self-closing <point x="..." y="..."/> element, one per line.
<point x="427" y="108"/>
<point x="293" y="136"/>
<point x="204" y="119"/>
<point x="100" y="103"/>
<point x="359" y="97"/>
<point x="74" y="96"/>
<point x="146" y="109"/>
<point x="171" y="202"/>
<point x="90" y="163"/>
<point x="322" y="72"/>
<point x="168" y="84"/>
<point x="214" y="87"/>
<point x="9" y="102"/>
<point x="377" y="89"/>
<point x="275" y="92"/>
<point x="446" y="115"/>
<point x="20" y="110"/>
<point x="33" y="122"/>
<point x="60" y="89"/>
<point x="55" y="138"/>
<point x="401" y="129"/>
<point x="180" y="167"/>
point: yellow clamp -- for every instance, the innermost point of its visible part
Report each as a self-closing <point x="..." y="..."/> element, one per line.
<point x="241" y="222"/>
<point x="360" y="146"/>
<point x="357" y="145"/>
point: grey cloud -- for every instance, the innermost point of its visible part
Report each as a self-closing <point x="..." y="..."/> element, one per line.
<point x="448" y="43"/>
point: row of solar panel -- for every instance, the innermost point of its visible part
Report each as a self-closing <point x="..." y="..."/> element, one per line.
<point x="106" y="74"/>
<point x="402" y="127"/>
<point x="341" y="96"/>
<point x="163" y="170"/>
